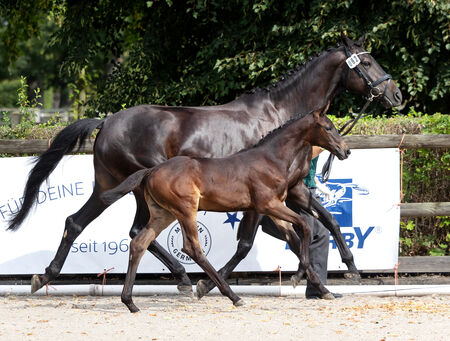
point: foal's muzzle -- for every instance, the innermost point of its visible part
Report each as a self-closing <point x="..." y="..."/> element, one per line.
<point x="343" y="152"/>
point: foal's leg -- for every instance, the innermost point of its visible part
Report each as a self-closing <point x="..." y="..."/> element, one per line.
<point x="159" y="220"/>
<point x="191" y="247"/>
<point x="300" y="246"/>
<point x="246" y="235"/>
<point x="140" y="220"/>
<point x="300" y="198"/>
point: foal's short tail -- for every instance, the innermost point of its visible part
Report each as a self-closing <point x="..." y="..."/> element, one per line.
<point x="64" y="143"/>
<point x="126" y="186"/>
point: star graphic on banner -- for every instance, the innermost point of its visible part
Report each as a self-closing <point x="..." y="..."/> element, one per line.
<point x="232" y="218"/>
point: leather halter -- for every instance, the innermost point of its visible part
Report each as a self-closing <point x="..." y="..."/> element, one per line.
<point x="374" y="90"/>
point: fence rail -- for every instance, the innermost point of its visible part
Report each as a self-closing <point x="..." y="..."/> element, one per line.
<point x="393" y="141"/>
<point x="354" y="142"/>
<point x="425" y="209"/>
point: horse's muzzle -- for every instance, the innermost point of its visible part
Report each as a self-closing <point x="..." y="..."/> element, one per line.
<point x="343" y="153"/>
<point x="391" y="100"/>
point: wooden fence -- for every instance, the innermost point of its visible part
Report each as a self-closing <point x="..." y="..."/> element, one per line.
<point x="20" y="147"/>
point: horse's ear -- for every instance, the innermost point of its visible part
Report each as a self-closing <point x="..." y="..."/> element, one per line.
<point x="360" y="41"/>
<point x="346" y="40"/>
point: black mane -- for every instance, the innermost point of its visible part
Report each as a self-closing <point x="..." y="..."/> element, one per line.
<point x="290" y="74"/>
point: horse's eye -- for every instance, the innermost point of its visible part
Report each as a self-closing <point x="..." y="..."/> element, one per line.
<point x="365" y="63"/>
<point x="328" y="128"/>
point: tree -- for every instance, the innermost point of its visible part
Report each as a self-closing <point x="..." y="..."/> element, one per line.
<point x="198" y="52"/>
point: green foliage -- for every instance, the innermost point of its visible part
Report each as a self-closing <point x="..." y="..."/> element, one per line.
<point x="426" y="179"/>
<point x="412" y="123"/>
<point x="27" y="128"/>
<point x="33" y="55"/>
<point x="420" y="240"/>
<point x="8" y="95"/>
<point x="198" y="52"/>
<point x="26" y="107"/>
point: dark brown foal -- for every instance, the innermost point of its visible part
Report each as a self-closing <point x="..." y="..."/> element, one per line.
<point x="256" y="179"/>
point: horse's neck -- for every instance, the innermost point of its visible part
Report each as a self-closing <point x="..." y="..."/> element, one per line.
<point x="291" y="144"/>
<point x="312" y="87"/>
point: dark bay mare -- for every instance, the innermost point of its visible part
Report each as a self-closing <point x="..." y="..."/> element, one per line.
<point x="146" y="135"/>
<point x="256" y="179"/>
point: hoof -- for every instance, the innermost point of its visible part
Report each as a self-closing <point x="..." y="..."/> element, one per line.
<point x="36" y="283"/>
<point x="134" y="309"/>
<point x="131" y="306"/>
<point x="202" y="289"/>
<point x="353" y="276"/>
<point x="328" y="296"/>
<point x="295" y="281"/>
<point x="185" y="290"/>
<point x="239" y="302"/>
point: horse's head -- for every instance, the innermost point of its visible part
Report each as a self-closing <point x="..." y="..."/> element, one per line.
<point x="365" y="76"/>
<point x="324" y="134"/>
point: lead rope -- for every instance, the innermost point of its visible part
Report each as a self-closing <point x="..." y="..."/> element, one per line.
<point x="326" y="170"/>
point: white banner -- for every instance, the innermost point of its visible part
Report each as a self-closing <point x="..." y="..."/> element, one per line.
<point x="365" y="191"/>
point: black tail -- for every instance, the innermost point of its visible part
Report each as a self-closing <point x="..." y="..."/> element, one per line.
<point x="126" y="186"/>
<point x="64" y="143"/>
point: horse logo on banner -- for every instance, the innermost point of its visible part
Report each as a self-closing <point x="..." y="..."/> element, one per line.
<point x="340" y="201"/>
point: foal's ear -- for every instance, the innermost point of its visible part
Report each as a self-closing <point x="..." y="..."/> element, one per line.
<point x="323" y="110"/>
<point x="360" y="41"/>
<point x="346" y="40"/>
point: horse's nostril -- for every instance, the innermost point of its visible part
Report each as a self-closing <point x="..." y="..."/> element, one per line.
<point x="398" y="96"/>
<point x="348" y="152"/>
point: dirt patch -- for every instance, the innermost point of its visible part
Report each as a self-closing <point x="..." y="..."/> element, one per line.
<point x="214" y="318"/>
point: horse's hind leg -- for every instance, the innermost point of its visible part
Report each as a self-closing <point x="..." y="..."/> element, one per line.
<point x="75" y="224"/>
<point x="159" y="220"/>
<point x="140" y="220"/>
<point x="246" y="235"/>
<point x="191" y="247"/>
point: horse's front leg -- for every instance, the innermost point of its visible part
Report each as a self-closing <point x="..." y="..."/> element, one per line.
<point x="298" y="198"/>
<point x="246" y="236"/>
<point x="75" y="224"/>
<point x="331" y="224"/>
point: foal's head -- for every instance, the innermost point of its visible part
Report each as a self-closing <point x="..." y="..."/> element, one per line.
<point x="324" y="134"/>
